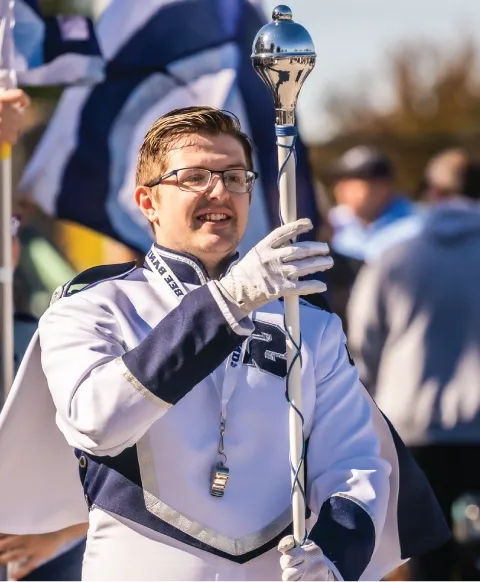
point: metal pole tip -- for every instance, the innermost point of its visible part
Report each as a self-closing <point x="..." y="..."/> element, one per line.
<point x="282" y="12"/>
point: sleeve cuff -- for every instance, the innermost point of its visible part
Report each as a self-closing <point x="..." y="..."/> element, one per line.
<point x="346" y="534"/>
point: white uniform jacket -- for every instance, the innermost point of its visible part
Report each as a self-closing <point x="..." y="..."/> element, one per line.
<point x="138" y="367"/>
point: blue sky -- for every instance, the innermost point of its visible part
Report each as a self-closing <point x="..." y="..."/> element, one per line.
<point x="352" y="37"/>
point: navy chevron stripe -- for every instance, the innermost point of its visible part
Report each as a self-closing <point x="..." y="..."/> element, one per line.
<point x="121" y="474"/>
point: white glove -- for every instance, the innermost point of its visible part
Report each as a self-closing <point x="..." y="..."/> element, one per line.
<point x="305" y="562"/>
<point x="272" y="268"/>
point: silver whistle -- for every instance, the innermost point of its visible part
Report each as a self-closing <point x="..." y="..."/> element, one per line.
<point x="220" y="473"/>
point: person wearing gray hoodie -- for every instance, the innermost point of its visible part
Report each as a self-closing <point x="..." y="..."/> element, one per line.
<point x="414" y="333"/>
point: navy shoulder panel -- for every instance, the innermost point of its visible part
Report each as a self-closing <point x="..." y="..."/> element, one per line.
<point x="91" y="276"/>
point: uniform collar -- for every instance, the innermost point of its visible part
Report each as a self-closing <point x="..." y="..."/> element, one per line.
<point x="187" y="267"/>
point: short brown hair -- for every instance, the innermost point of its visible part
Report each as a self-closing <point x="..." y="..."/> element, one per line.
<point x="188" y="120"/>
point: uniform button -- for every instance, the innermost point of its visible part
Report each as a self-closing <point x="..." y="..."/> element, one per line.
<point x="82" y="461"/>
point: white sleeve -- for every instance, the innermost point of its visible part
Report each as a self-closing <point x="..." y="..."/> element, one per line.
<point x="347" y="479"/>
<point x="108" y="396"/>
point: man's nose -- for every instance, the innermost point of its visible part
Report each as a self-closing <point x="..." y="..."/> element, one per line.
<point x="217" y="187"/>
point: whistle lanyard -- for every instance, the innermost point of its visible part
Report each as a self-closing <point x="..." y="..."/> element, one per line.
<point x="231" y="375"/>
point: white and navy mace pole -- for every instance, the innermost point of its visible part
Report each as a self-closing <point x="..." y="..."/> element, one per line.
<point x="283" y="56"/>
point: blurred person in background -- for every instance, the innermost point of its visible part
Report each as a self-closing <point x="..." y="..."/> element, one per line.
<point x="369" y="215"/>
<point x="13" y="102"/>
<point x="414" y="333"/>
<point x="54" y="555"/>
<point x="368" y="204"/>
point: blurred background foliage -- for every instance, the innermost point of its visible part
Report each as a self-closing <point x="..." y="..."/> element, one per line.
<point x="436" y="104"/>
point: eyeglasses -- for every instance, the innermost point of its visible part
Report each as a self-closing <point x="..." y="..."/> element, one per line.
<point x="236" y="180"/>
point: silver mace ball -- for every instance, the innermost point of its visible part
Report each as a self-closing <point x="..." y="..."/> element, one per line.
<point x="283" y="56"/>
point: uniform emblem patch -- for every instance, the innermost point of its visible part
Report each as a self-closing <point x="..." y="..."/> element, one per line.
<point x="267" y="349"/>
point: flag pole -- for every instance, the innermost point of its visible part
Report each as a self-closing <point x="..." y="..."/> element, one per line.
<point x="6" y="270"/>
<point x="7" y="81"/>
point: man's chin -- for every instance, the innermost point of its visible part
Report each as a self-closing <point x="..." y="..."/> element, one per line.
<point x="217" y="244"/>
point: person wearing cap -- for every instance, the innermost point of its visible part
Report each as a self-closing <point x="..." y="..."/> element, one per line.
<point x="368" y="204"/>
<point x="414" y="333"/>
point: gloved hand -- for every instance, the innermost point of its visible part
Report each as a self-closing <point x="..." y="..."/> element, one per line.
<point x="272" y="268"/>
<point x="305" y="562"/>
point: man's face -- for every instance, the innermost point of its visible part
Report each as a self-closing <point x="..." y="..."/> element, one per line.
<point x="208" y="224"/>
<point x="365" y="198"/>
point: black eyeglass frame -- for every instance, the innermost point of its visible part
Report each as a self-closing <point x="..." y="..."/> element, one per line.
<point x="157" y="181"/>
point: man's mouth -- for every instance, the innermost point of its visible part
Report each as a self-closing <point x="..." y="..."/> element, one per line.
<point x="213" y="217"/>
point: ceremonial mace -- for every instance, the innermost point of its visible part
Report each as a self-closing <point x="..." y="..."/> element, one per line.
<point x="283" y="56"/>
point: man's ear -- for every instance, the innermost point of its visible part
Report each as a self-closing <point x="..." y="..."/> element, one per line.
<point x="144" y="198"/>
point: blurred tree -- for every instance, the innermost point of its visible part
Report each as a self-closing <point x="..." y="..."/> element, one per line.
<point x="436" y="104"/>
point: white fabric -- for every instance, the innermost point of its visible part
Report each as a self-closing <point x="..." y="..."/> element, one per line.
<point x="33" y="448"/>
<point x="305" y="562"/>
<point x="93" y="403"/>
<point x="119" y="549"/>
<point x="272" y="268"/>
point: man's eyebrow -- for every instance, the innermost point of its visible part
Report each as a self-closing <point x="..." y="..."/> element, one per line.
<point x="237" y="165"/>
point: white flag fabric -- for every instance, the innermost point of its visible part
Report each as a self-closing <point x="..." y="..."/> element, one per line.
<point x="28" y="418"/>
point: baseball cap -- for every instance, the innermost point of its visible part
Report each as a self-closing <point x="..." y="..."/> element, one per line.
<point x="361" y="162"/>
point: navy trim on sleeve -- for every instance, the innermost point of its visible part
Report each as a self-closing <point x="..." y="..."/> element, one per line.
<point x="346" y="535"/>
<point x="184" y="348"/>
